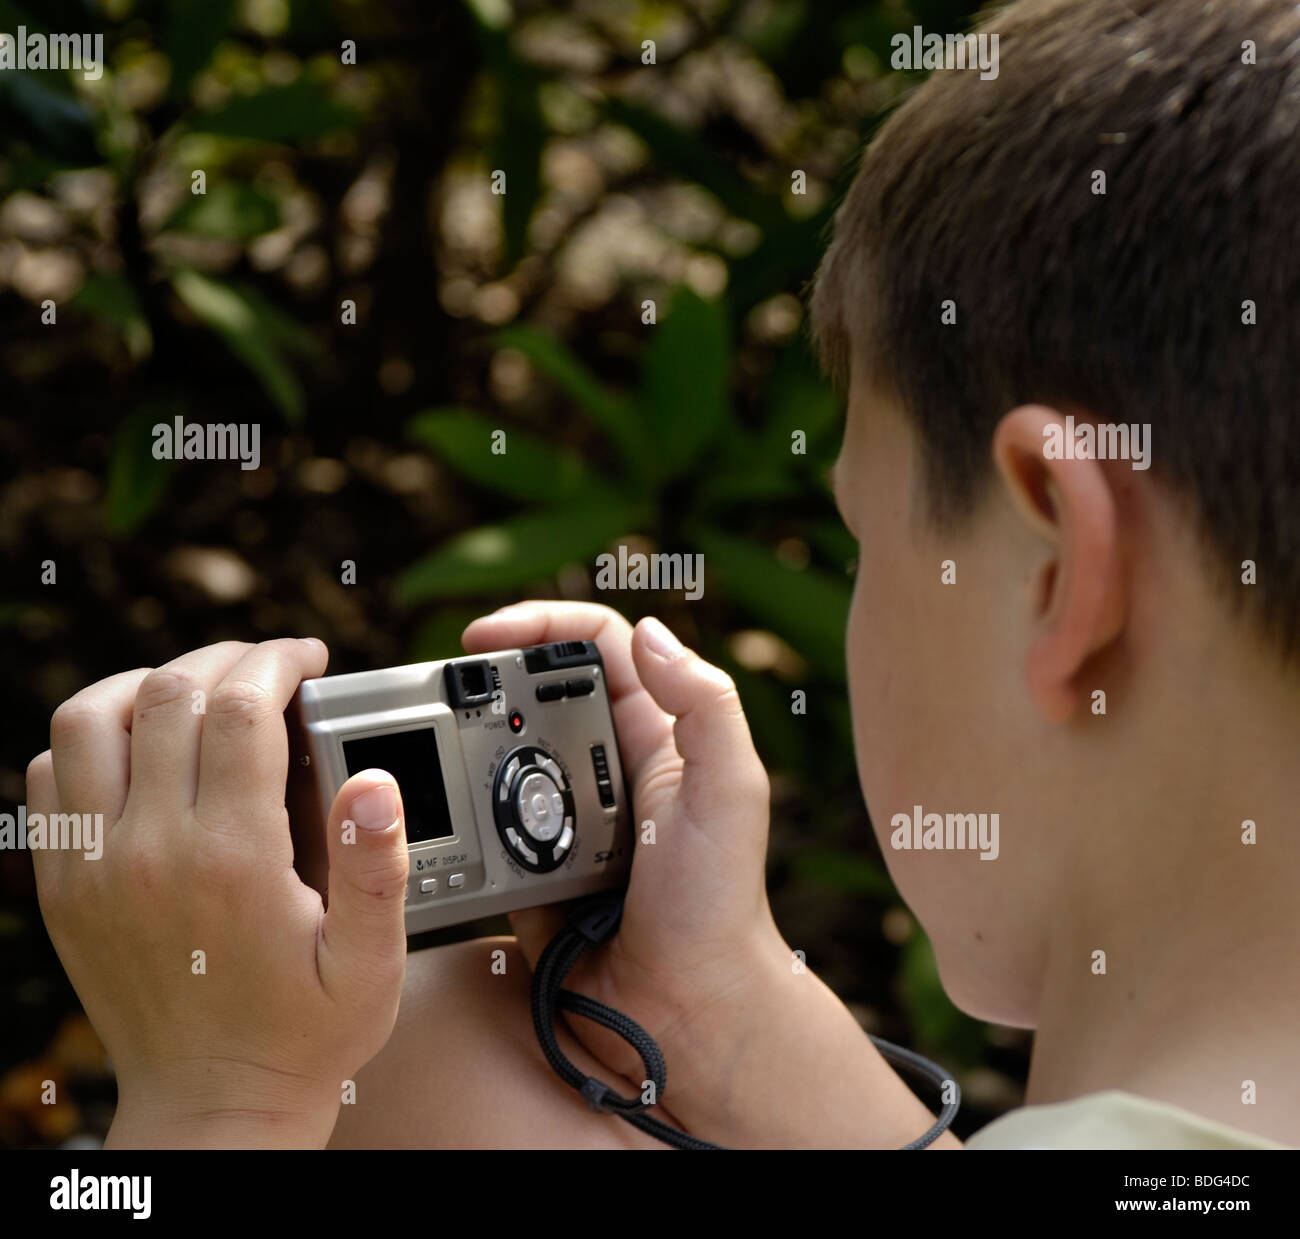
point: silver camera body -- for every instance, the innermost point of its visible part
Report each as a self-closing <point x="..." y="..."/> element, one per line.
<point x="509" y="771"/>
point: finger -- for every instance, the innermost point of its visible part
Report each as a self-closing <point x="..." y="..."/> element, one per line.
<point x="244" y="753"/>
<point x="643" y="729"/>
<point x="532" y="623"/>
<point x="721" y="769"/>
<point x="90" y="745"/>
<point x="43" y="798"/>
<point x="167" y="726"/>
<point x="363" y="938"/>
<point x="42" y="788"/>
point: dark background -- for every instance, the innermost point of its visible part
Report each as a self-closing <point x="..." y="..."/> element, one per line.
<point x="327" y="183"/>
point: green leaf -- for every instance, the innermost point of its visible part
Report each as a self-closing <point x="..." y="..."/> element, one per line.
<point x="775" y="728"/>
<point x="439" y="636"/>
<point x="614" y="415"/>
<point x="58" y="125"/>
<point x="835" y="544"/>
<point x="112" y="300"/>
<point x="28" y="171"/>
<point x="193" y="32"/>
<point x="518" y="551"/>
<point x="844" y="871"/>
<point x="253" y="330"/>
<point x="281" y="329"/>
<point x="799" y="399"/>
<point x="296" y="112"/>
<point x="874" y="26"/>
<point x="686" y="393"/>
<point x="529" y="468"/>
<point x="517" y="146"/>
<point x="939" y="1025"/>
<point x="136" y="480"/>
<point x="746" y="472"/>
<point x="519" y="154"/>
<point x="765" y="467"/>
<point x="788" y="252"/>
<point x="775" y="29"/>
<point x="807" y="607"/>
<point x="229" y="212"/>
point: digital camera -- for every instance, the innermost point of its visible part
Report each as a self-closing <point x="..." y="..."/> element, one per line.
<point x="508" y="767"/>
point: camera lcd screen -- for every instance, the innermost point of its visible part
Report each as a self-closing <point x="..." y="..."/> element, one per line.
<point x="411" y="757"/>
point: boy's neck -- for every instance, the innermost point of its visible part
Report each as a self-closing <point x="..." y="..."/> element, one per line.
<point x="1200" y="995"/>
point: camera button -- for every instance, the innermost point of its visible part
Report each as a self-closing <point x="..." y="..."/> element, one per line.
<point x="600" y="764"/>
<point x="578" y="688"/>
<point x="533" y="807"/>
<point x="550" y="692"/>
<point x="428" y="886"/>
<point x="565" y="839"/>
<point x="527" y="853"/>
<point x="510" y="771"/>
<point x="456" y="879"/>
<point x="551" y="768"/>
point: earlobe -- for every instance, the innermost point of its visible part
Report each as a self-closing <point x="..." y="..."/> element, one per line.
<point x="1069" y="503"/>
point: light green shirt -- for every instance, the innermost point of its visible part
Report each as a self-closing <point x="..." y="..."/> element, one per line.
<point x="1111" y="1120"/>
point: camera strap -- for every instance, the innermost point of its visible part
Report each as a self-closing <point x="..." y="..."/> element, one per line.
<point x="595" y="922"/>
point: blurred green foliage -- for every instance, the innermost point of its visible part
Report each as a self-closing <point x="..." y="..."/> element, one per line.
<point x="676" y="433"/>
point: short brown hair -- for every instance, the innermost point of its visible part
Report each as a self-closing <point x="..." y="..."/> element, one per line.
<point x="1127" y="304"/>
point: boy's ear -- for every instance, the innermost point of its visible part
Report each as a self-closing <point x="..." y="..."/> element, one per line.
<point x="1080" y="597"/>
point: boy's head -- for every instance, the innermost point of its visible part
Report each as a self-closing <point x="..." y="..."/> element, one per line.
<point x="1107" y="234"/>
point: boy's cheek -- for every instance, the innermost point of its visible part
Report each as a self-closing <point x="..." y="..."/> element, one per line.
<point x="905" y="691"/>
<point x="928" y="728"/>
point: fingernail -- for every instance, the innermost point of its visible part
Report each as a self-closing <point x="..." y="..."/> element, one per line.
<point x="659" y="640"/>
<point x="375" y="808"/>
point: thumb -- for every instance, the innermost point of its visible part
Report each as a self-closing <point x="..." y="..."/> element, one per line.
<point x="723" y="779"/>
<point x="364" y="934"/>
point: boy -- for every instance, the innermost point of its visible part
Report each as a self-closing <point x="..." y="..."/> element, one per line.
<point x="1101" y="237"/>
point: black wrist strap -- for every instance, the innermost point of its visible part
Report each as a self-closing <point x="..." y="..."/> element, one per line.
<point x="596" y="921"/>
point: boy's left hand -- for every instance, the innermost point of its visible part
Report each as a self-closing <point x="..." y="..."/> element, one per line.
<point x="232" y="1006"/>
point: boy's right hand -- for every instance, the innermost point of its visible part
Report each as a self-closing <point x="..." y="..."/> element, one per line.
<point x="697" y="935"/>
<point x="760" y="1052"/>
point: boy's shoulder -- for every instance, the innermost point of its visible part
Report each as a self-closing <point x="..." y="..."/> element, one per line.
<point x="1112" y="1120"/>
